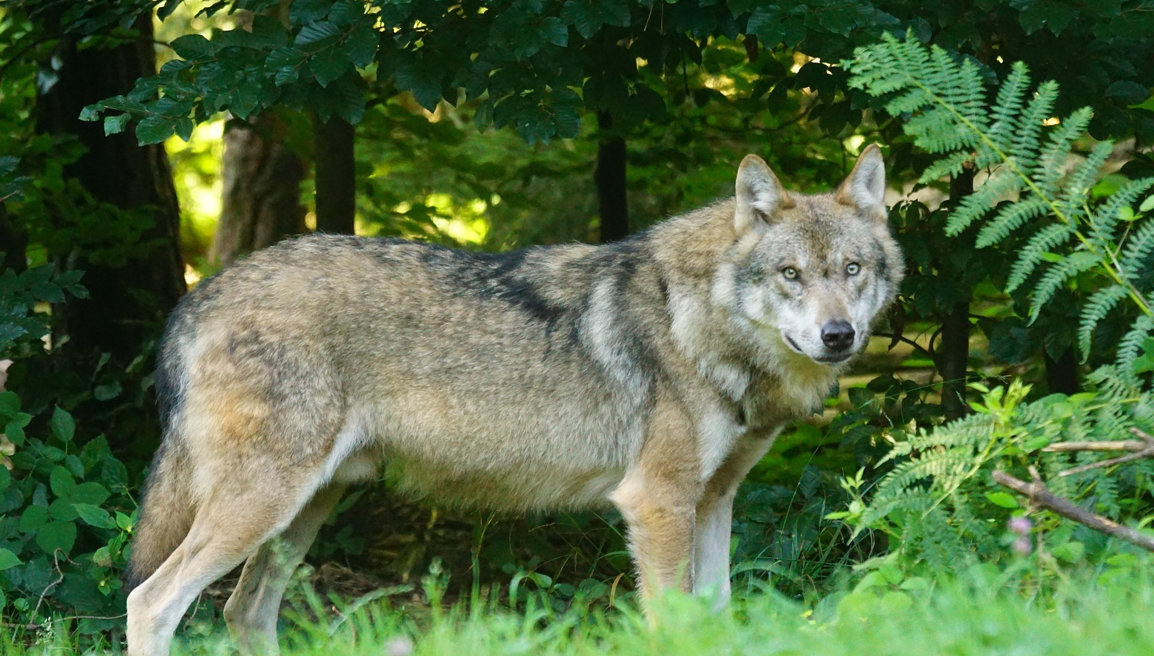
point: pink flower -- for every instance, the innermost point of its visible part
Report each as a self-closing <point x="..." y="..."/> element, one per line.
<point x="1022" y="546"/>
<point x="1020" y="525"/>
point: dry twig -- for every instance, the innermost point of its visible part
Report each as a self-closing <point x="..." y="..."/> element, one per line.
<point x="1139" y="448"/>
<point x="1038" y="494"/>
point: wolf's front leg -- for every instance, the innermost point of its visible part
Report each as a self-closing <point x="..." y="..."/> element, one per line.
<point x="658" y="498"/>
<point x="660" y="531"/>
<point x="715" y="518"/>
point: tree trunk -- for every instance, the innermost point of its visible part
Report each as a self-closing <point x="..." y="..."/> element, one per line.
<point x="128" y="299"/>
<point x="335" y="176"/>
<point x="262" y="186"/>
<point x="13" y="242"/>
<point x="954" y="351"/>
<point x="610" y="179"/>
<point x="1062" y="373"/>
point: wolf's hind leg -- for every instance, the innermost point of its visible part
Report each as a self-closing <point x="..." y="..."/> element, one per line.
<point x="252" y="610"/>
<point x="226" y="530"/>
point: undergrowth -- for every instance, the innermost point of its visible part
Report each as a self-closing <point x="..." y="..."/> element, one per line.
<point x="938" y="503"/>
<point x="976" y="613"/>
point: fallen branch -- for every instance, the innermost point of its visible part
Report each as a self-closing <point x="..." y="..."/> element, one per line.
<point x="1040" y="495"/>
<point x="1115" y="445"/>
<point x="1140" y="448"/>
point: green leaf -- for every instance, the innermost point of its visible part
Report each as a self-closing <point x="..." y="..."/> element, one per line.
<point x="554" y="30"/>
<point x="56" y="535"/>
<point x="361" y="46"/>
<point x="48" y="292"/>
<point x="167" y="8"/>
<point x="8" y="559"/>
<point x="115" y="124"/>
<point x="194" y="47"/>
<point x="425" y="85"/>
<point x="1003" y="499"/>
<point x="287" y="63"/>
<point x="184" y="127"/>
<point x="91" y="112"/>
<point x="1127" y="92"/>
<point x="61" y="481"/>
<point x="581" y="16"/>
<point x="9" y="404"/>
<point x="61" y="510"/>
<point x="33" y="518"/>
<point x="106" y="391"/>
<point x="1071" y="552"/>
<point x="62" y="425"/>
<point x="89" y="492"/>
<point x="14" y="430"/>
<point x="94" y="515"/>
<point x="328" y="65"/>
<point x="154" y="129"/>
<point x="316" y="32"/>
<point x="125" y="522"/>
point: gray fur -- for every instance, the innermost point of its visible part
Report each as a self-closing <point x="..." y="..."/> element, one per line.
<point x="651" y="373"/>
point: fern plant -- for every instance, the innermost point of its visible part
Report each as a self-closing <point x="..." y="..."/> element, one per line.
<point x="938" y="500"/>
<point x="1027" y="164"/>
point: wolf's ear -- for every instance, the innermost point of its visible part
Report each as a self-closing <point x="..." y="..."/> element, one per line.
<point x="760" y="197"/>
<point x="865" y="188"/>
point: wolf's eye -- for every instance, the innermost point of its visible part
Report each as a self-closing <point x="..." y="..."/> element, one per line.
<point x="790" y="273"/>
<point x="853" y="268"/>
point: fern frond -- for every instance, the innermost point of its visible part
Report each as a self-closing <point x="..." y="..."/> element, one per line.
<point x="970" y="431"/>
<point x="1007" y="106"/>
<point x="1076" y="187"/>
<point x="1105" y="218"/>
<point x="1028" y="130"/>
<point x="1057" y="275"/>
<point x="1052" y="162"/>
<point x="998" y="187"/>
<point x="1130" y="346"/>
<point x="948" y="165"/>
<point x="1096" y="309"/>
<point x="1112" y="382"/>
<point x="1137" y="250"/>
<point x="1045" y="240"/>
<point x="1008" y="219"/>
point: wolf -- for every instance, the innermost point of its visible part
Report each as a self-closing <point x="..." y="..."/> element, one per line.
<point x="651" y="374"/>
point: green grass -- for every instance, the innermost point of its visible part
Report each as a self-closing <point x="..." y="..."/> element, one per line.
<point x="955" y="618"/>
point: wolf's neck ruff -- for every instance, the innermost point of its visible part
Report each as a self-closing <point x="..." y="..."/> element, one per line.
<point x="651" y="373"/>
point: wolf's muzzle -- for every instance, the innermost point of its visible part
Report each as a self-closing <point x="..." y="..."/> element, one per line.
<point x="837" y="335"/>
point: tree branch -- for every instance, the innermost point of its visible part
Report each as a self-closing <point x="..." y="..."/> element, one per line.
<point x="1140" y="448"/>
<point x="1040" y="495"/>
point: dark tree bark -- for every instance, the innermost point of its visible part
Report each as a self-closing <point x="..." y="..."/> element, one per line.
<point x="610" y="178"/>
<point x="1062" y="373"/>
<point x="954" y="350"/>
<point x="127" y="303"/>
<point x="262" y="186"/>
<point x="13" y="242"/>
<point x="335" y="176"/>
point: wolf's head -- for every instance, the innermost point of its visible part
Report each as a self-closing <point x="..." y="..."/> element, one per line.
<point x="812" y="271"/>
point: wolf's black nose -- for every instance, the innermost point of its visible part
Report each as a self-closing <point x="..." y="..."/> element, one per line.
<point x="837" y="335"/>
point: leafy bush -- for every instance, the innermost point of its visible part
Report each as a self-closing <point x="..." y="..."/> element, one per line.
<point x="65" y="511"/>
<point x="939" y="500"/>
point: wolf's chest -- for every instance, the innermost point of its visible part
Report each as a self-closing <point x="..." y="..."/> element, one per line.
<point x="772" y="399"/>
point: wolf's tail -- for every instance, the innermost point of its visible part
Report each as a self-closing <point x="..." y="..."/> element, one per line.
<point x="166" y="515"/>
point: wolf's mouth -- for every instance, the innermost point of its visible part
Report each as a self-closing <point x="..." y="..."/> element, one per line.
<point x="834" y="359"/>
<point x="792" y="344"/>
<point x="825" y="359"/>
